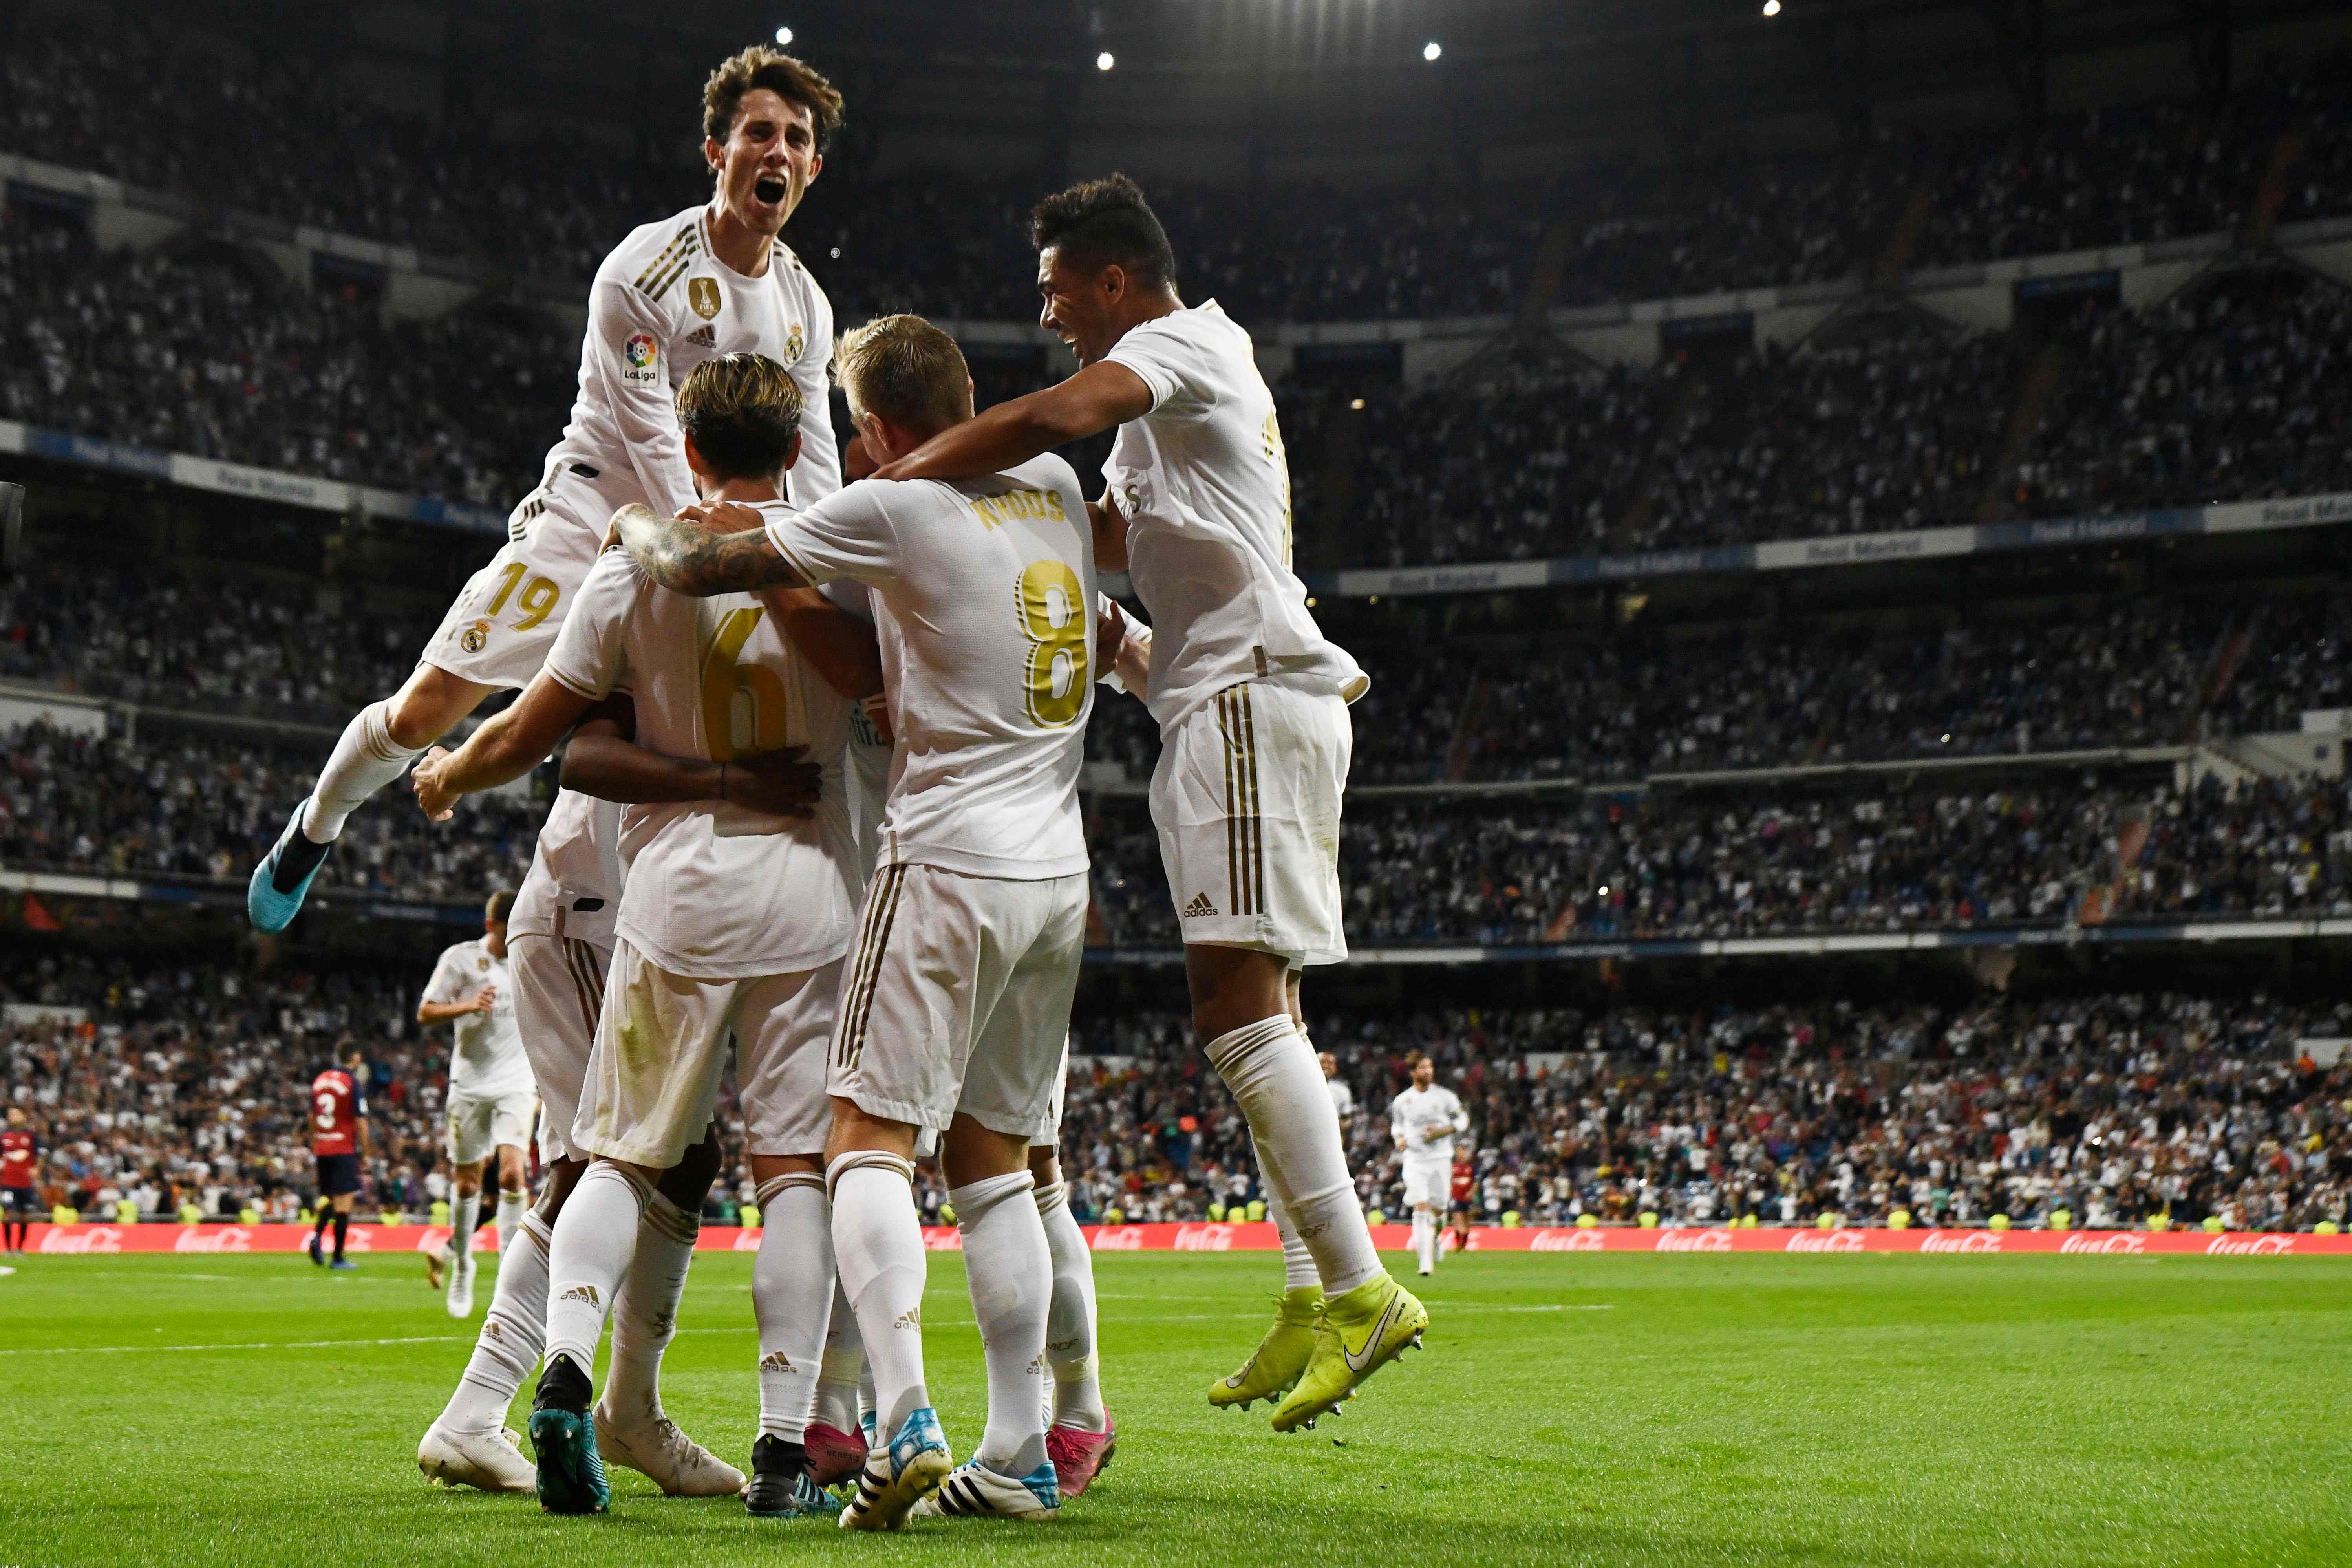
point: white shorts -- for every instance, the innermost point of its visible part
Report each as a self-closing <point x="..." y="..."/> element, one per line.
<point x="1427" y="1181"/>
<point x="957" y="998"/>
<point x="1052" y="1137"/>
<point x="480" y="1125"/>
<point x="662" y="1048"/>
<point x="1246" y="802"/>
<point x="498" y="630"/>
<point x="559" y="992"/>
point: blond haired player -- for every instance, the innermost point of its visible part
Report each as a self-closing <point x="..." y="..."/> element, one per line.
<point x="732" y="924"/>
<point x="713" y="279"/>
<point x="1252" y="703"/>
<point x="955" y="1011"/>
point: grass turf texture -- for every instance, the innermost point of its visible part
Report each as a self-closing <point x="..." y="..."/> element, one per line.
<point x="1580" y="1409"/>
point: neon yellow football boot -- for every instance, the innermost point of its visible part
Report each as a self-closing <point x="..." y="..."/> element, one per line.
<point x="1279" y="1358"/>
<point x="1362" y="1331"/>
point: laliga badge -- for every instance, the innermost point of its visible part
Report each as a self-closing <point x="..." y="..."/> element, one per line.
<point x="702" y="293"/>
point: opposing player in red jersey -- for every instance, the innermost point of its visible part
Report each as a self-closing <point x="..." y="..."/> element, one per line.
<point x="1463" y="1191"/>
<point x="339" y="1138"/>
<point x="17" y="1160"/>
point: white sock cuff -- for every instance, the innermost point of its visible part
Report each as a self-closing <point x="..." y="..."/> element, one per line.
<point x="974" y="1201"/>
<point x="670" y="1220"/>
<point x="1051" y="1196"/>
<point x="375" y="731"/>
<point x="538" y="1229"/>
<point x="606" y="1171"/>
<point x="1228" y="1051"/>
<point x="776" y="1186"/>
<point x="866" y="1160"/>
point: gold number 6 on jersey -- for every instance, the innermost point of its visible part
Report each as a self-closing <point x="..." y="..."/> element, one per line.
<point x="1053" y="618"/>
<point x="723" y="681"/>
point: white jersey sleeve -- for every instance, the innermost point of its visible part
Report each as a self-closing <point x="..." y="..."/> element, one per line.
<point x="816" y="473"/>
<point x="849" y="535"/>
<point x="454" y="978"/>
<point x="627" y="337"/>
<point x="590" y="657"/>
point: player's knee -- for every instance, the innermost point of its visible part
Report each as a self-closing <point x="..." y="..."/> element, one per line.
<point x="425" y="709"/>
<point x="1045" y="1164"/>
<point x="687" y="1182"/>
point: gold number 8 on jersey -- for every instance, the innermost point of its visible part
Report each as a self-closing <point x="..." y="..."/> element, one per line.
<point x="1053" y="618"/>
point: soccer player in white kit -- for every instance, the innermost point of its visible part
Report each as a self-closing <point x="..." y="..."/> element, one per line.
<point x="729" y="923"/>
<point x="1423" y="1120"/>
<point x="1343" y="1099"/>
<point x="710" y="280"/>
<point x="955" y="1008"/>
<point x="1252" y="703"/>
<point x="491" y="1101"/>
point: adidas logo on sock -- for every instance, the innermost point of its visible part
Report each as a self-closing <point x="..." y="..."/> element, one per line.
<point x="1199" y="907"/>
<point x="912" y="1318"/>
<point x="581" y="1293"/>
<point x="775" y="1360"/>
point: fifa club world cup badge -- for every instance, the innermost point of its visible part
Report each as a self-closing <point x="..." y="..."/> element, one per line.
<point x="640" y="359"/>
<point x="702" y="293"/>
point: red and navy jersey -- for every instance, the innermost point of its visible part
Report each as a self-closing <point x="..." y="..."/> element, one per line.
<point x="1465" y="1182"/>
<point x="337" y="1107"/>
<point x="16" y="1158"/>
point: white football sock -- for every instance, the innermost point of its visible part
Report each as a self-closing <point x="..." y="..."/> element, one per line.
<point x="1424" y="1237"/>
<point x="1280" y="1090"/>
<point x="1010" y="1271"/>
<point x="836" y="1401"/>
<point x="596" y="1237"/>
<point x="512" y="1206"/>
<point x="1070" y="1318"/>
<point x="364" y="759"/>
<point x="513" y="1330"/>
<point x="1298" y="1270"/>
<point x="465" y="1218"/>
<point x="878" y="1244"/>
<point x="645" y="1313"/>
<point x="792" y="1291"/>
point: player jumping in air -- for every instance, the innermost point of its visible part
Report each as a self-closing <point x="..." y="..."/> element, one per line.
<point x="489" y="1097"/>
<point x="339" y="1141"/>
<point x="1423" y="1120"/>
<point x="1251" y="701"/>
<point x="955" y="1010"/>
<point x="710" y="280"/>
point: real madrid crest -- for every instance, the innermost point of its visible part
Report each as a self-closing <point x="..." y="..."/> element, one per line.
<point x="702" y="293"/>
<point x="474" y="636"/>
<point x="793" y="342"/>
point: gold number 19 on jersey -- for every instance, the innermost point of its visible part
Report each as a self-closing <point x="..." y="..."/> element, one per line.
<point x="1053" y="618"/>
<point x="724" y="682"/>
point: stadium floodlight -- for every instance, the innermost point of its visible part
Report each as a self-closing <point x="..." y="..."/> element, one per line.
<point x="1431" y="49"/>
<point x="783" y="35"/>
<point x="1771" y="7"/>
<point x="1104" y="61"/>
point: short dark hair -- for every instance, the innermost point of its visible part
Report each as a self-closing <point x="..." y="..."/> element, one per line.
<point x="498" y="906"/>
<point x="792" y="79"/>
<point x="349" y="1052"/>
<point x="743" y="410"/>
<point x="1107" y="221"/>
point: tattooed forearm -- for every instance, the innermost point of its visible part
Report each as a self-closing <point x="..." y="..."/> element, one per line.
<point x="686" y="558"/>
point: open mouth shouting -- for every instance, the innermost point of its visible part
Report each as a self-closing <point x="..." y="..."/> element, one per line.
<point x="770" y="189"/>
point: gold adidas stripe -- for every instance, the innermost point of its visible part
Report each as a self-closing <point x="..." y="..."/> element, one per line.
<point x="881" y="915"/>
<point x="677" y="270"/>
<point x="1256" y="840"/>
<point x="686" y="235"/>
<point x="1232" y="815"/>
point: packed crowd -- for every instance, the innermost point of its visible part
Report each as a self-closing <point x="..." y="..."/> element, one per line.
<point x="1524" y="870"/>
<point x="191" y="810"/>
<point x="2106" y="1109"/>
<point x="213" y="354"/>
<point x="229" y="130"/>
<point x="185" y="1086"/>
<point x="2232" y="392"/>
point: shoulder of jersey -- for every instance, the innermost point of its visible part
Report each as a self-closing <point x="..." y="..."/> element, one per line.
<point x="657" y="255"/>
<point x="789" y="263"/>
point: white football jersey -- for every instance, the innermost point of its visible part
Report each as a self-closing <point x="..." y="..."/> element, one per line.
<point x="662" y="304"/>
<point x="1204" y="487"/>
<point x="1343" y="1099"/>
<point x="1417" y="1112"/>
<point x="983" y="593"/>
<point x="576" y="869"/>
<point x="488" y="1061"/>
<point x="716" y="890"/>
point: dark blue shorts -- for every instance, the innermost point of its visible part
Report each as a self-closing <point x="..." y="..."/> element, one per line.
<point x="338" y="1175"/>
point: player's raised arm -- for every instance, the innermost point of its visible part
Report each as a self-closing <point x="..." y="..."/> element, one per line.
<point x="684" y="556"/>
<point x="504" y="748"/>
<point x="1098" y="397"/>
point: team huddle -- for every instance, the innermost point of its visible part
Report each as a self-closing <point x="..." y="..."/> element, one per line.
<point x="819" y="824"/>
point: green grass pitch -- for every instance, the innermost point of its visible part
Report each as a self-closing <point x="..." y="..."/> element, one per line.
<point x="1570" y="1409"/>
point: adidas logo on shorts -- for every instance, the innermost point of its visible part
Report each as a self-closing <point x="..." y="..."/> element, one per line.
<point x="1199" y="907"/>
